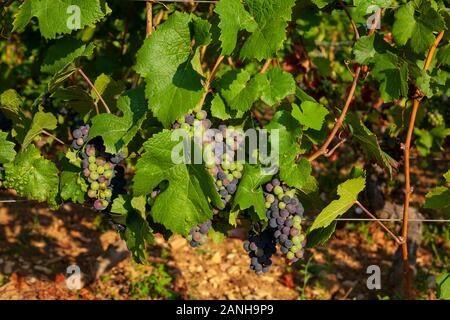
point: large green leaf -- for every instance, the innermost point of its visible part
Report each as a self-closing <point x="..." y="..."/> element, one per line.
<point x="439" y="197"/>
<point x="55" y="16"/>
<point x="250" y="193"/>
<point x="7" y="152"/>
<point x="348" y="194"/>
<point x="173" y="87"/>
<point x="416" y="21"/>
<point x="369" y="143"/>
<point x="311" y="115"/>
<point x="32" y="176"/>
<point x="116" y="131"/>
<point x="41" y="121"/>
<point x="184" y="203"/>
<point x="63" y="53"/>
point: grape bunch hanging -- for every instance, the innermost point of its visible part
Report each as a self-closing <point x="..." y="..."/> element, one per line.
<point x="102" y="173"/>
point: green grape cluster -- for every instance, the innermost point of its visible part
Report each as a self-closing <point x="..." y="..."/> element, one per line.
<point x="436" y="119"/>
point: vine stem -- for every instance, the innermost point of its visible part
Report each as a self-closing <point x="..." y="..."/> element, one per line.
<point x="52" y="136"/>
<point x="323" y="150"/>
<point x="265" y="66"/>
<point x="208" y="81"/>
<point x="95" y="89"/>
<point x="149" y="8"/>
<point x="397" y="239"/>
<point x="408" y="190"/>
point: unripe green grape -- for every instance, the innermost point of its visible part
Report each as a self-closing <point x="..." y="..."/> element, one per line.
<point x="94" y="176"/>
<point x="281" y="205"/>
<point x="297" y="219"/>
<point x="103" y="186"/>
<point x="100" y="170"/>
<point x="95" y="185"/>
<point x="93" y="167"/>
<point x="108" y="174"/>
<point x="239" y="167"/>
<point x="107" y="166"/>
<point x="105" y="203"/>
<point x="233" y="166"/>
<point x="219" y="183"/>
<point x="290" y="255"/>
<point x="92" y="159"/>
<point x="277" y="190"/>
<point x="270" y="198"/>
<point x="237" y="174"/>
<point x="230" y="176"/>
<point x="201" y="115"/>
<point x="101" y="194"/>
<point x="296" y="240"/>
<point x="108" y="193"/>
<point x="268" y="204"/>
<point x="225" y="165"/>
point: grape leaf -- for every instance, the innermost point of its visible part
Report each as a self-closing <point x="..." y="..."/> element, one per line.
<point x="392" y="72"/>
<point x="7" y="152"/>
<point x="443" y="55"/>
<point x="439" y="197"/>
<point x="233" y="18"/>
<point x="116" y="131"/>
<point x="268" y="37"/>
<point x="75" y="98"/>
<point x="311" y="115"/>
<point x="72" y="187"/>
<point x="184" y="203"/>
<point x="322" y="3"/>
<point x="32" y="176"/>
<point x="443" y="286"/>
<point x="320" y="236"/>
<point x="348" y="192"/>
<point x="10" y="103"/>
<point x="219" y="109"/>
<point x="275" y="85"/>
<point x="173" y="87"/>
<point x="241" y="93"/>
<point x="54" y="16"/>
<point x="416" y="21"/>
<point x="41" y="120"/>
<point x="65" y="52"/>
<point x="250" y="193"/>
<point x="136" y="235"/>
<point x="369" y="143"/>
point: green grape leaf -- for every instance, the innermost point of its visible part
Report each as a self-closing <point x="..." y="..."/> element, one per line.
<point x="275" y="85"/>
<point x="116" y="131"/>
<point x="322" y="3"/>
<point x="443" y="286"/>
<point x="184" y="203"/>
<point x="294" y="174"/>
<point x="72" y="187"/>
<point x="369" y="143"/>
<point x="242" y="92"/>
<point x="439" y="197"/>
<point x="348" y="192"/>
<point x="173" y="87"/>
<point x="392" y="72"/>
<point x="32" y="176"/>
<point x="65" y="52"/>
<point x="41" y="121"/>
<point x="416" y="21"/>
<point x="10" y="103"/>
<point x="311" y="115"/>
<point x="60" y="16"/>
<point x="268" y="37"/>
<point x="320" y="236"/>
<point x="219" y="109"/>
<point x="250" y="193"/>
<point x="233" y="18"/>
<point x="7" y="152"/>
<point x="75" y="98"/>
<point x="443" y="55"/>
<point x="109" y="89"/>
<point x="136" y="235"/>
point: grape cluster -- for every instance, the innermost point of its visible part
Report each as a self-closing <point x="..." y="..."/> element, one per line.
<point x="102" y="172"/>
<point x="260" y="249"/>
<point x="198" y="235"/>
<point x="285" y="212"/>
<point x="436" y="119"/>
<point x="220" y="147"/>
<point x="80" y="136"/>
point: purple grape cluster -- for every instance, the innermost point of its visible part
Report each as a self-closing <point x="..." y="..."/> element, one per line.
<point x="285" y="213"/>
<point x="102" y="172"/>
<point x="198" y="235"/>
<point x="260" y="249"/>
<point x="220" y="148"/>
<point x="80" y="137"/>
